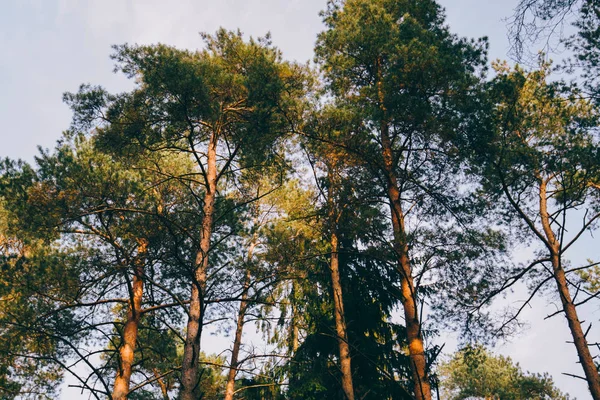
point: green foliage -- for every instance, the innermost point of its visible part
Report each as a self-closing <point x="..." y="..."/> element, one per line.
<point x="399" y="75"/>
<point x="540" y="155"/>
<point x="398" y="56"/>
<point x="345" y="203"/>
<point x="474" y="372"/>
<point x="212" y="381"/>
<point x="35" y="277"/>
<point x="378" y="346"/>
<point x="591" y="277"/>
<point x="99" y="208"/>
<point x="401" y="100"/>
<point x="241" y="91"/>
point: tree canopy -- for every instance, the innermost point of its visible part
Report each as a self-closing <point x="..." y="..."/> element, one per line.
<point x="350" y="211"/>
<point x="475" y="372"/>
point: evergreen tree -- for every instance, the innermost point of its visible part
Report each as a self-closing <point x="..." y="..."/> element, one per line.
<point x="409" y="80"/>
<point x="475" y="372"/>
<point x="223" y="107"/>
<point x="539" y="170"/>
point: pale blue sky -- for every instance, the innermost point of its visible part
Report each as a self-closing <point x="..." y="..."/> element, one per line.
<point x="48" y="47"/>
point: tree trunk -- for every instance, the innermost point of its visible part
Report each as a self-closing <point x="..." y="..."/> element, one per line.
<point x="336" y="284"/>
<point x="295" y="330"/>
<point x="130" y="330"/>
<point x="233" y="364"/>
<point x="583" y="351"/>
<point x="161" y="383"/>
<point x="340" y="321"/>
<point x="191" y="349"/>
<point x="408" y="298"/>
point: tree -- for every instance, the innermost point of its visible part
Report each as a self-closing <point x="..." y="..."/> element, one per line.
<point x="105" y="211"/>
<point x="224" y="107"/>
<point x="336" y="191"/>
<point x="29" y="270"/>
<point x="257" y="279"/>
<point x="539" y="169"/>
<point x="475" y="372"/>
<point x="408" y="79"/>
<point x="545" y="19"/>
<point x="332" y="245"/>
<point x="234" y="363"/>
<point x="231" y="184"/>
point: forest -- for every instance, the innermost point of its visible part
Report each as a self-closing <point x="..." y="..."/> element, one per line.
<point x="330" y="220"/>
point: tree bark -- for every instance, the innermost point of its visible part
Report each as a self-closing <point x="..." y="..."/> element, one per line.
<point x="295" y="330"/>
<point x="340" y="320"/>
<point x="336" y="284"/>
<point x="237" y="342"/>
<point x="416" y="347"/>
<point x="408" y="298"/>
<point x="161" y="383"/>
<point x="583" y="351"/>
<point x="130" y="330"/>
<point x="191" y="349"/>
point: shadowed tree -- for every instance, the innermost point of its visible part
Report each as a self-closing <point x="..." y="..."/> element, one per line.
<point x="336" y="194"/>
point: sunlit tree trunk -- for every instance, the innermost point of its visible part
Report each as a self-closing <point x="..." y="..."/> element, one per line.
<point x="583" y="351"/>
<point x="408" y="298"/>
<point x="295" y="330"/>
<point x="130" y="330"/>
<point x="191" y="350"/>
<point x="161" y="383"/>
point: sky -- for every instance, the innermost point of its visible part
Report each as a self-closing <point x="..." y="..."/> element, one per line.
<point x="48" y="47"/>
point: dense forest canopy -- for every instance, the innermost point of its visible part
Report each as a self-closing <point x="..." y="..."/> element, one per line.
<point x="350" y="210"/>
